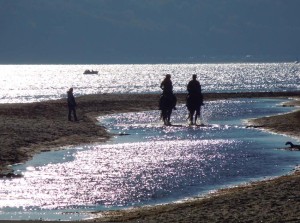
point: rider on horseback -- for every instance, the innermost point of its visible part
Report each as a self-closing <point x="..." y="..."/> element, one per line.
<point x="194" y="98"/>
<point x="166" y="85"/>
<point x="194" y="86"/>
<point x="167" y="100"/>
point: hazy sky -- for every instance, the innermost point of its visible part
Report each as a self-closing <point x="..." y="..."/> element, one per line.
<point x="120" y="31"/>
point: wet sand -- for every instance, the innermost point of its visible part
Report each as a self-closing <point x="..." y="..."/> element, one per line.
<point x="28" y="129"/>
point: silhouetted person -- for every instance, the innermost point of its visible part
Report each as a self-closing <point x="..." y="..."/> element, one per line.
<point x="71" y="105"/>
<point x="194" y="86"/>
<point x="166" y="85"/>
<point x="194" y="99"/>
<point x="167" y="100"/>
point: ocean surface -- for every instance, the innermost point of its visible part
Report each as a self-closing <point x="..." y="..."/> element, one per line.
<point x="148" y="163"/>
<point x="29" y="83"/>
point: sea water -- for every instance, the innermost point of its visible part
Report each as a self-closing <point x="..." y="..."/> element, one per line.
<point x="150" y="163"/>
<point x="147" y="163"/>
<point x="29" y="83"/>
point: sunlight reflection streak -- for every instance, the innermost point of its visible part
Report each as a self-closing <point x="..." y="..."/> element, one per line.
<point x="114" y="174"/>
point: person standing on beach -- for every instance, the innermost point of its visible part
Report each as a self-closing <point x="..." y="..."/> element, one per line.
<point x="71" y="105"/>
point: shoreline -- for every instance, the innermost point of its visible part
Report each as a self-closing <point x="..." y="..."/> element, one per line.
<point x="21" y="121"/>
<point x="270" y="200"/>
<point x="20" y="142"/>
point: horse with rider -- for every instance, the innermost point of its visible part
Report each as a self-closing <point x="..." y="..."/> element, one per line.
<point x="194" y="100"/>
<point x="168" y="100"/>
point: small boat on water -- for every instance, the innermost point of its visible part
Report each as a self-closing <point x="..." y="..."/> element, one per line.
<point x="90" y="72"/>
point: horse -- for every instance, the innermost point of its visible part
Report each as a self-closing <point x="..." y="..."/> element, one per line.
<point x="194" y="103"/>
<point x="167" y="103"/>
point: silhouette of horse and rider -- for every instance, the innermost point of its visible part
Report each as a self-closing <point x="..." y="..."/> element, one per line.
<point x="194" y="100"/>
<point x="167" y="101"/>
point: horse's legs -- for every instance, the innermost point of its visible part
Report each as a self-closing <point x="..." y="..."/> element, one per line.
<point x="191" y="116"/>
<point x="169" y="112"/>
<point x="197" y="114"/>
<point x="165" y="116"/>
<point x="162" y="115"/>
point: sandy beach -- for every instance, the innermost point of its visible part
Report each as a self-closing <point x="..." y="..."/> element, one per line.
<point x="28" y="129"/>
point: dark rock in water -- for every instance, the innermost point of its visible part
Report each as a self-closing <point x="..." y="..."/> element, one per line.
<point x="123" y="134"/>
<point x="255" y="126"/>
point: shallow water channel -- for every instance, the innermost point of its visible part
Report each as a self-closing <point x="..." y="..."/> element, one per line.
<point x="148" y="163"/>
